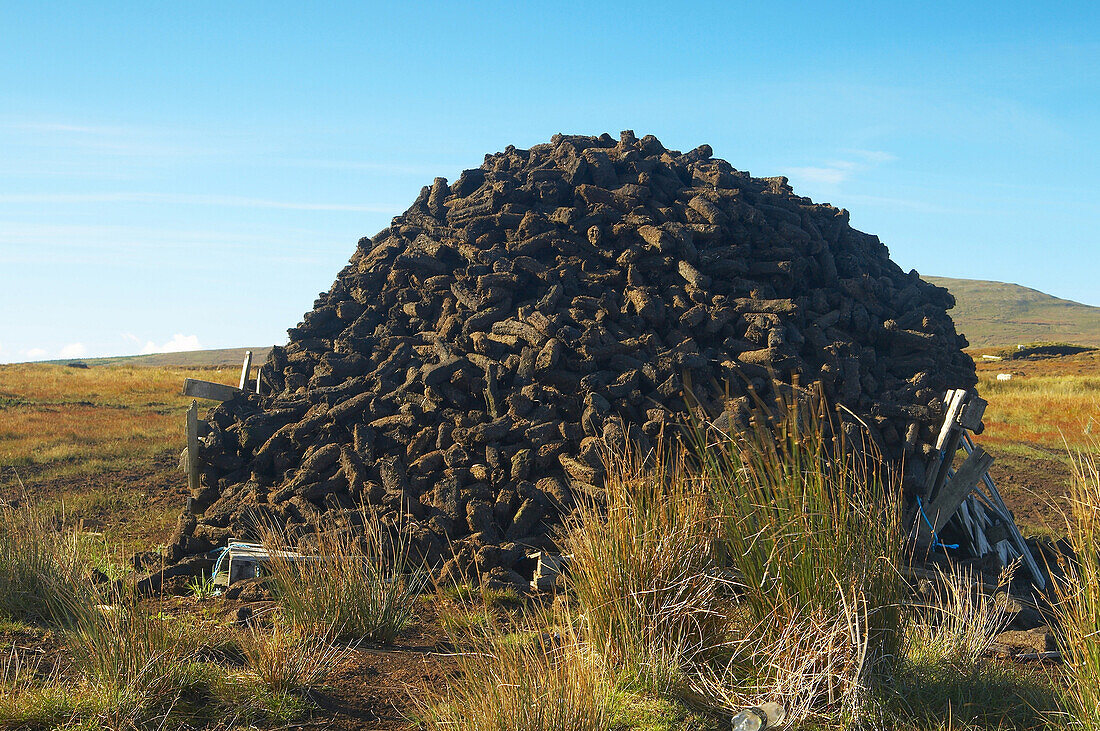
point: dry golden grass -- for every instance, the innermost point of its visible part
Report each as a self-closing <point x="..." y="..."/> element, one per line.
<point x="57" y="421"/>
<point x="1042" y="410"/>
<point x="1047" y="400"/>
<point x="1078" y="593"/>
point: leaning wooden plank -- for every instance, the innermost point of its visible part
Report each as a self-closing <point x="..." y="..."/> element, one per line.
<point x="1017" y="538"/>
<point x="972" y="518"/>
<point x="208" y="390"/>
<point x="947" y="443"/>
<point x="981" y="520"/>
<point x="954" y="491"/>
<point x="940" y="473"/>
<point x="193" y="447"/>
<point x="952" y="406"/>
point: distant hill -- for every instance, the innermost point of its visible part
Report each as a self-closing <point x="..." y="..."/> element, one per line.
<point x="186" y="359"/>
<point x="996" y="313"/>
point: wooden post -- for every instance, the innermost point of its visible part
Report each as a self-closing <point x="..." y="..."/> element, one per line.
<point x="193" y="447"/>
<point x="245" y="369"/>
<point x="259" y="377"/>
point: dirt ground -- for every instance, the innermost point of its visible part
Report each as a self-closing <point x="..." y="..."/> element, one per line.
<point x="374" y="689"/>
<point x="135" y="506"/>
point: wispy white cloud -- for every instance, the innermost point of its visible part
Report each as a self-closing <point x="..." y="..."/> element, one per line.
<point x="832" y="173"/>
<point x="425" y="171"/>
<point x="873" y="157"/>
<point x="73" y="350"/>
<point x="187" y="199"/>
<point x="34" y="353"/>
<point x="827" y="175"/>
<point x="178" y="343"/>
<point x="15" y="232"/>
<point x="61" y="127"/>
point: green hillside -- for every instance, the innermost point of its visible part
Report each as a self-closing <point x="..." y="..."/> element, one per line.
<point x="996" y="313"/>
<point x="185" y="359"/>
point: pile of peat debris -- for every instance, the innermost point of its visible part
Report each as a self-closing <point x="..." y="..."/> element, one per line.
<point x="468" y="363"/>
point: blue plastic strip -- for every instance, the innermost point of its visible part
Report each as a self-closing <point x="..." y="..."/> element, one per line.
<point x="936" y="543"/>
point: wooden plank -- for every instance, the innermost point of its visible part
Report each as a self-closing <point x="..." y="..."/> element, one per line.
<point x="952" y="406"/>
<point x="193" y="447"/>
<point x="259" y="377"/>
<point x="972" y="413"/>
<point x="947" y="443"/>
<point x="979" y="521"/>
<point x="970" y="526"/>
<point x="942" y="469"/>
<point x="954" y="491"/>
<point x="246" y="369"/>
<point x="959" y="486"/>
<point x="1017" y="539"/>
<point x="208" y="390"/>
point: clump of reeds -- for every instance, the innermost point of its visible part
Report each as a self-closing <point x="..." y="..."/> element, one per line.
<point x="358" y="584"/>
<point x="745" y="565"/>
<point x="1078" y="592"/>
<point x="810" y="526"/>
<point x="642" y="570"/>
<point x="544" y="683"/>
<point x="287" y="659"/>
<point x="132" y="660"/>
<point x="42" y="574"/>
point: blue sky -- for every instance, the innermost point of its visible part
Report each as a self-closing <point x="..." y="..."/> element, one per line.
<point x="191" y="175"/>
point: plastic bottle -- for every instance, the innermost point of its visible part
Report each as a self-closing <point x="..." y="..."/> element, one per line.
<point x="759" y="718"/>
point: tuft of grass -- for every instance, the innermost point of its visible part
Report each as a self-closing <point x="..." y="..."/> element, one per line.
<point x="42" y="574"/>
<point x="202" y="588"/>
<point x="1078" y="592"/>
<point x="957" y="629"/>
<point x="642" y="572"/>
<point x="134" y="657"/>
<point x="811" y="528"/>
<point x="538" y="685"/>
<point x="359" y="586"/>
<point x="288" y="660"/>
<point x="744" y="568"/>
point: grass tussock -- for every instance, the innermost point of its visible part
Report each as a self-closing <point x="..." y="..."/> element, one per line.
<point x="542" y="684"/>
<point x="42" y="572"/>
<point x="957" y="628"/>
<point x="643" y="573"/>
<point x="1078" y="606"/>
<point x="287" y="659"/>
<point x="751" y="566"/>
<point x="129" y="651"/>
<point x="355" y="585"/>
<point x="810" y="527"/>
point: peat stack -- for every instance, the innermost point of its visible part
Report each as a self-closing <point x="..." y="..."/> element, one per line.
<point x="465" y="367"/>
